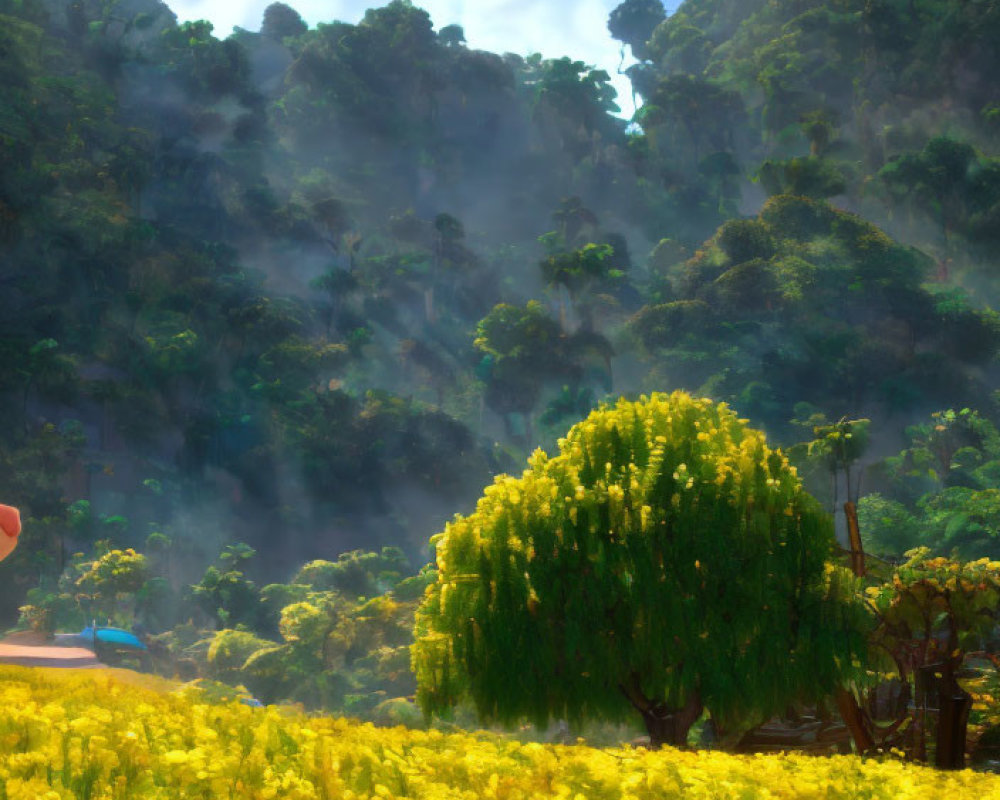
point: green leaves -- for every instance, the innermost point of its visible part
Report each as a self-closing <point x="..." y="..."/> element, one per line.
<point x="225" y="593"/>
<point x="108" y="583"/>
<point x="357" y="573"/>
<point x="840" y="444"/>
<point x="524" y="345"/>
<point x="810" y="176"/>
<point x="578" y="269"/>
<point x="946" y="490"/>
<point x="934" y="609"/>
<point x="633" y="22"/>
<point x="666" y="541"/>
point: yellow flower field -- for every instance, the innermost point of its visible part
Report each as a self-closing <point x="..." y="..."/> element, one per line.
<point x="98" y="735"/>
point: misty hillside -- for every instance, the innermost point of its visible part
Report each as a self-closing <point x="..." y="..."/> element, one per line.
<point x="309" y="289"/>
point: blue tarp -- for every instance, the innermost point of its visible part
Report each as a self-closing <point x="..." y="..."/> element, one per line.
<point x="115" y="636"/>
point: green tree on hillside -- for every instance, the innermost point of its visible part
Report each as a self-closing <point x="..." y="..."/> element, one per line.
<point x="224" y="591"/>
<point x="281" y="21"/>
<point x="579" y="272"/>
<point x="666" y="561"/>
<point x="522" y="349"/>
<point x="937" y="181"/>
<point x="633" y="22"/>
<point x="452" y="36"/>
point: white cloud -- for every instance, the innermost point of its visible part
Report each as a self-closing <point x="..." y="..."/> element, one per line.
<point x="554" y="28"/>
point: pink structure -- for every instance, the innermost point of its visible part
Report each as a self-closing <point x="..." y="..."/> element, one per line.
<point x="10" y="528"/>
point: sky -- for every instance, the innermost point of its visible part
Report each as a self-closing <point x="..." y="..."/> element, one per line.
<point x="554" y="28"/>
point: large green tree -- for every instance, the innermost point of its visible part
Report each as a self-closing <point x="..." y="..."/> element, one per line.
<point x="666" y="561"/>
<point x="633" y="22"/>
<point x="522" y="350"/>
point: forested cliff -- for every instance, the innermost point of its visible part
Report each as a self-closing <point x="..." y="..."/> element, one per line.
<point x="310" y="288"/>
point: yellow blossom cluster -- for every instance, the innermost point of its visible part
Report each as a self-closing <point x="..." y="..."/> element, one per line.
<point x="106" y="736"/>
<point x="966" y="588"/>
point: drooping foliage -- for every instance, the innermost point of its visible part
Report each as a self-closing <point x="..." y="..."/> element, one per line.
<point x="664" y="556"/>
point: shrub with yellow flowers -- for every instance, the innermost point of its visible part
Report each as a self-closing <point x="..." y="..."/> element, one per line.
<point x="665" y="561"/>
<point x="105" y="585"/>
<point x="930" y="614"/>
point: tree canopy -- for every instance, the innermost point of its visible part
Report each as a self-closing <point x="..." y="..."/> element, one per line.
<point x="665" y="560"/>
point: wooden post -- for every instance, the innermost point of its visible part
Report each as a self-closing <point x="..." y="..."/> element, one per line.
<point x="854" y="536"/>
<point x="847" y="704"/>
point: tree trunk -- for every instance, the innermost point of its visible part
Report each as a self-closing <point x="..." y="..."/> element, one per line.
<point x="953" y="720"/>
<point x="954" y="704"/>
<point x="671" y="727"/>
<point x="847" y="704"/>
<point x="850" y="712"/>
<point x="429" y="312"/>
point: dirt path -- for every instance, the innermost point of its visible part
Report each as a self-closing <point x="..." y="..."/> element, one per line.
<point x="35" y="650"/>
